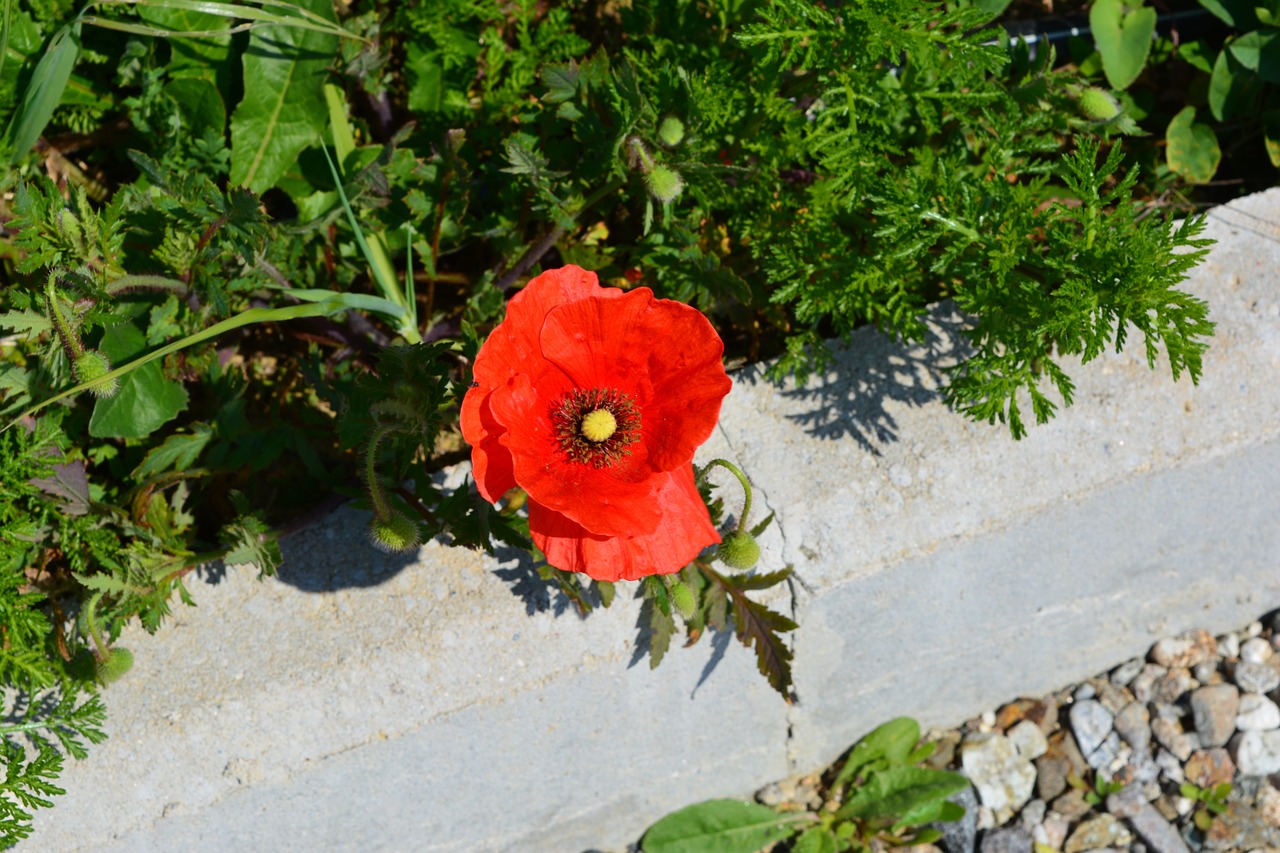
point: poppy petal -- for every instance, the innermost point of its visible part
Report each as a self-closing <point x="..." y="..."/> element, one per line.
<point x="666" y="351"/>
<point x="491" y="463"/>
<point x="611" y="501"/>
<point x="685" y="530"/>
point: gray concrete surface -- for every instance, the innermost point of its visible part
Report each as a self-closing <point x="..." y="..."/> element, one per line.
<point x="446" y="702"/>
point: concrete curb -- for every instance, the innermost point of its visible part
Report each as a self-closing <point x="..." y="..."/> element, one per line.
<point x="450" y="702"/>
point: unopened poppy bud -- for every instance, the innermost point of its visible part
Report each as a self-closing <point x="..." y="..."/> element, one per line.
<point x="396" y="532"/>
<point x="89" y="367"/>
<point x="739" y="550"/>
<point x="665" y="183"/>
<point x="682" y="597"/>
<point x="1098" y="105"/>
<point x="671" y="131"/>
<point x="113" y="665"/>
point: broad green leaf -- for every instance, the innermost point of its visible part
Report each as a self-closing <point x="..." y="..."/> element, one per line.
<point x="561" y="82"/>
<point x="208" y="57"/>
<point x="284" y="109"/>
<point x="1259" y="51"/>
<point x="44" y="91"/>
<point x="426" y="79"/>
<point x="901" y="791"/>
<point x="199" y="104"/>
<point x="1197" y="54"/>
<point x="817" y="839"/>
<point x="1192" y="147"/>
<point x="1271" y="135"/>
<point x="885" y="746"/>
<point x="1122" y="32"/>
<point x="719" y="826"/>
<point x="146" y="400"/>
<point x="1232" y="90"/>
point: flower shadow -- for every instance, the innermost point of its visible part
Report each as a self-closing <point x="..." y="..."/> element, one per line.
<point x="539" y="594"/>
<point x="872" y="377"/>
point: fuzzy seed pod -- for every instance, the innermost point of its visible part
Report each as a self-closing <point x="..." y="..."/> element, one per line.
<point x="111" y="668"/>
<point x="89" y="367"/>
<point x="739" y="550"/>
<point x="396" y="532"/>
<point x="664" y="183"/>
<point x="1098" y="105"/>
<point x="682" y="597"/>
<point x="671" y="131"/>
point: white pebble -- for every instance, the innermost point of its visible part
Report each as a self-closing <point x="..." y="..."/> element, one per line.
<point x="1183" y="806"/>
<point x="1255" y="650"/>
<point x="1254" y="629"/>
<point x="1257" y="714"/>
<point x="988" y="719"/>
<point x="1229" y="646"/>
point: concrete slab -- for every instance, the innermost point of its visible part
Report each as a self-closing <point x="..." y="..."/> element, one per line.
<point x="448" y="702"/>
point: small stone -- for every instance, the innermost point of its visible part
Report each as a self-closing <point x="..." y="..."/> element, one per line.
<point x="1229" y="646"/>
<point x="1052" y="832"/>
<point x="1255" y="677"/>
<point x="1143" y="684"/>
<point x="944" y="750"/>
<point x="1168" y="711"/>
<point x="1139" y="770"/>
<point x="1156" y="832"/>
<point x="986" y="818"/>
<point x="1173" y="685"/>
<point x="776" y="793"/>
<point x="1003" y="779"/>
<point x="1126" y="672"/>
<point x="1208" y="767"/>
<point x="1110" y="756"/>
<point x="1185" y="650"/>
<point x="1240" y="827"/>
<point x="988" y="718"/>
<point x="1214" y="709"/>
<point x="1112" y="698"/>
<point x="1126" y="802"/>
<point x="1169" y="734"/>
<point x="1028" y="740"/>
<point x="1102" y="831"/>
<point x="1254" y="629"/>
<point x="1170" y="767"/>
<point x="1072" y="805"/>
<point x="1134" y="725"/>
<point x="1091" y="724"/>
<point x="1007" y="839"/>
<point x="1051" y="776"/>
<point x="961" y="836"/>
<point x="1255" y="650"/>
<point x="1084" y="692"/>
<point x="1257" y="753"/>
<point x="1257" y="714"/>
<point x="1165" y="806"/>
<point x="1032" y="813"/>
<point x="1268" y="805"/>
<point x="1206" y="672"/>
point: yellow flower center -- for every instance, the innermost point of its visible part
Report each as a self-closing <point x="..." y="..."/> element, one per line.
<point x="599" y="425"/>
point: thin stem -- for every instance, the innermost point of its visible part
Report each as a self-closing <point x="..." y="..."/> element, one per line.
<point x="69" y="339"/>
<point x="91" y="622"/>
<point x="381" y="506"/>
<point x="746" y="488"/>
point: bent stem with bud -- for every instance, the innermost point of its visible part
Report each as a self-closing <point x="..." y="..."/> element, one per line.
<point x="739" y="549"/>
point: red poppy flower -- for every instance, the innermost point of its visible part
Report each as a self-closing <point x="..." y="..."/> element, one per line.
<point x="593" y="400"/>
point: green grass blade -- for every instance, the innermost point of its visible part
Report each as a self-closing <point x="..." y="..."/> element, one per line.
<point x="44" y="92"/>
<point x="253" y="315"/>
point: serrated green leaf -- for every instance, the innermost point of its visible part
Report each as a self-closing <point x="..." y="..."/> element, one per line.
<point x="178" y="452"/>
<point x="561" y="82"/>
<point x="1122" y="31"/>
<point x="145" y="401"/>
<point x="1192" y="147"/>
<point x="284" y="111"/>
<point x="719" y="826"/>
<point x="30" y="322"/>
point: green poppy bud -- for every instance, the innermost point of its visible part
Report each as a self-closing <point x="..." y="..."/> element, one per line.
<point x="739" y="550"/>
<point x="113" y="666"/>
<point x="1098" y="105"/>
<point x="396" y="532"/>
<point x="89" y="367"/>
<point x="682" y="597"/>
<point x="671" y="131"/>
<point x="665" y="183"/>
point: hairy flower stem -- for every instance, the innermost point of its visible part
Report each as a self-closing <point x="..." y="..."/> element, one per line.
<point x="91" y="623"/>
<point x="746" y="488"/>
<point x="381" y="506"/>
<point x="70" y="340"/>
